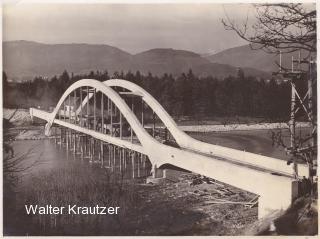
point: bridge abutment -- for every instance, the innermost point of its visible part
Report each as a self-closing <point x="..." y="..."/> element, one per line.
<point x="275" y="198"/>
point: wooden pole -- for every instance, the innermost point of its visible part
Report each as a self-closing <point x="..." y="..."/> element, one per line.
<point x="64" y="110"/>
<point x="69" y="108"/>
<point x="142" y="111"/>
<point x="120" y="159"/>
<point x="111" y="119"/>
<point x="81" y="100"/>
<point x="120" y="116"/>
<point x="94" y="110"/>
<point x="132" y="162"/>
<point x="293" y="126"/>
<point x="74" y="143"/>
<point x="131" y="131"/>
<point x="138" y="164"/>
<point x="74" y="106"/>
<point x="102" y="113"/>
<point x="153" y="124"/>
<point x="102" y="154"/>
<point x="60" y="137"/>
<point x="88" y="126"/>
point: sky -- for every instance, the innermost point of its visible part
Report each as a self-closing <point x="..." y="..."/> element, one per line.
<point x="130" y="27"/>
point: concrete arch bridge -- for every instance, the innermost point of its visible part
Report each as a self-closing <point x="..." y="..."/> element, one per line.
<point x="109" y="113"/>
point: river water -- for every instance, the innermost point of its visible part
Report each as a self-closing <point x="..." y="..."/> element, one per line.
<point x="43" y="155"/>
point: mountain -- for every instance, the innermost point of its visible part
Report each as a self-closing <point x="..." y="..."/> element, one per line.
<point x="29" y="59"/>
<point x="25" y="60"/>
<point x="159" y="61"/>
<point x="244" y="56"/>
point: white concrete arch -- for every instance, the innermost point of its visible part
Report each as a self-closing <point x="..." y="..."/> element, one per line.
<point x="143" y="136"/>
<point x="185" y="141"/>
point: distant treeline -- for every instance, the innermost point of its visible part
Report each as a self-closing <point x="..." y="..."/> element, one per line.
<point x="186" y="95"/>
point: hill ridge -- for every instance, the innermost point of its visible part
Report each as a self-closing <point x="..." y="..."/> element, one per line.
<point x="22" y="61"/>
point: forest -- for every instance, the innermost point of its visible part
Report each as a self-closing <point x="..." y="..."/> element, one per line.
<point x="187" y="95"/>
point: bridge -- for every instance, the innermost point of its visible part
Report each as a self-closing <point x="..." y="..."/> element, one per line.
<point x="115" y="113"/>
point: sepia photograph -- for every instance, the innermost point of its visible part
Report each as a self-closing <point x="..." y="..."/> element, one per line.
<point x="149" y="118"/>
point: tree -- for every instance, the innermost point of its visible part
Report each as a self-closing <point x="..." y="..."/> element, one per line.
<point x="5" y="85"/>
<point x="5" y="80"/>
<point x="167" y="93"/>
<point x="240" y="74"/>
<point x="284" y="26"/>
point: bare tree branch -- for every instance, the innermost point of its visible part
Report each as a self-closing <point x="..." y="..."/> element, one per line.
<point x="287" y="27"/>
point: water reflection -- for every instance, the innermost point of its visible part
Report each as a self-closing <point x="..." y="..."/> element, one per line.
<point x="47" y="154"/>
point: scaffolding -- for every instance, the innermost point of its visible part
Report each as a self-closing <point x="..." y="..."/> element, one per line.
<point x="302" y="102"/>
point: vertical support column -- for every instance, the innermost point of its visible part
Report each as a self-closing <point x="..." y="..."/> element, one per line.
<point x="125" y="152"/>
<point x="59" y="113"/>
<point x="108" y="111"/>
<point x="109" y="156"/>
<point x="293" y="126"/>
<point x="111" y="118"/>
<point x="120" y="159"/>
<point x="99" y="154"/>
<point x="55" y="135"/>
<point x="81" y="100"/>
<point x="165" y="133"/>
<point x="142" y="112"/>
<point x="81" y="146"/>
<point x="313" y="159"/>
<point x="280" y="62"/>
<point x="74" y="106"/>
<point x="114" y="157"/>
<point x="88" y="120"/>
<point x="131" y="131"/>
<point x="91" y="149"/>
<point x="120" y="116"/>
<point x="69" y="97"/>
<point x="60" y="137"/>
<point x="75" y="142"/>
<point x="153" y="124"/>
<point x="132" y="163"/>
<point x="144" y="165"/>
<point x="102" y="113"/>
<point x="138" y="164"/>
<point x="94" y="110"/>
<point x="102" y="153"/>
<point x="64" y="110"/>
<point x="87" y="149"/>
<point x="67" y="139"/>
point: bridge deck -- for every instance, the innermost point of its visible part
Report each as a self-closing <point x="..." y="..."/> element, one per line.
<point x="240" y="163"/>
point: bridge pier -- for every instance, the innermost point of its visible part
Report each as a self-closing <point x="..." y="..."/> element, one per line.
<point x="74" y="143"/>
<point x="132" y="163"/>
<point x="61" y="137"/>
<point x="102" y="154"/>
<point x="67" y="139"/>
<point x="157" y="172"/>
<point x="276" y="198"/>
<point x="157" y="175"/>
